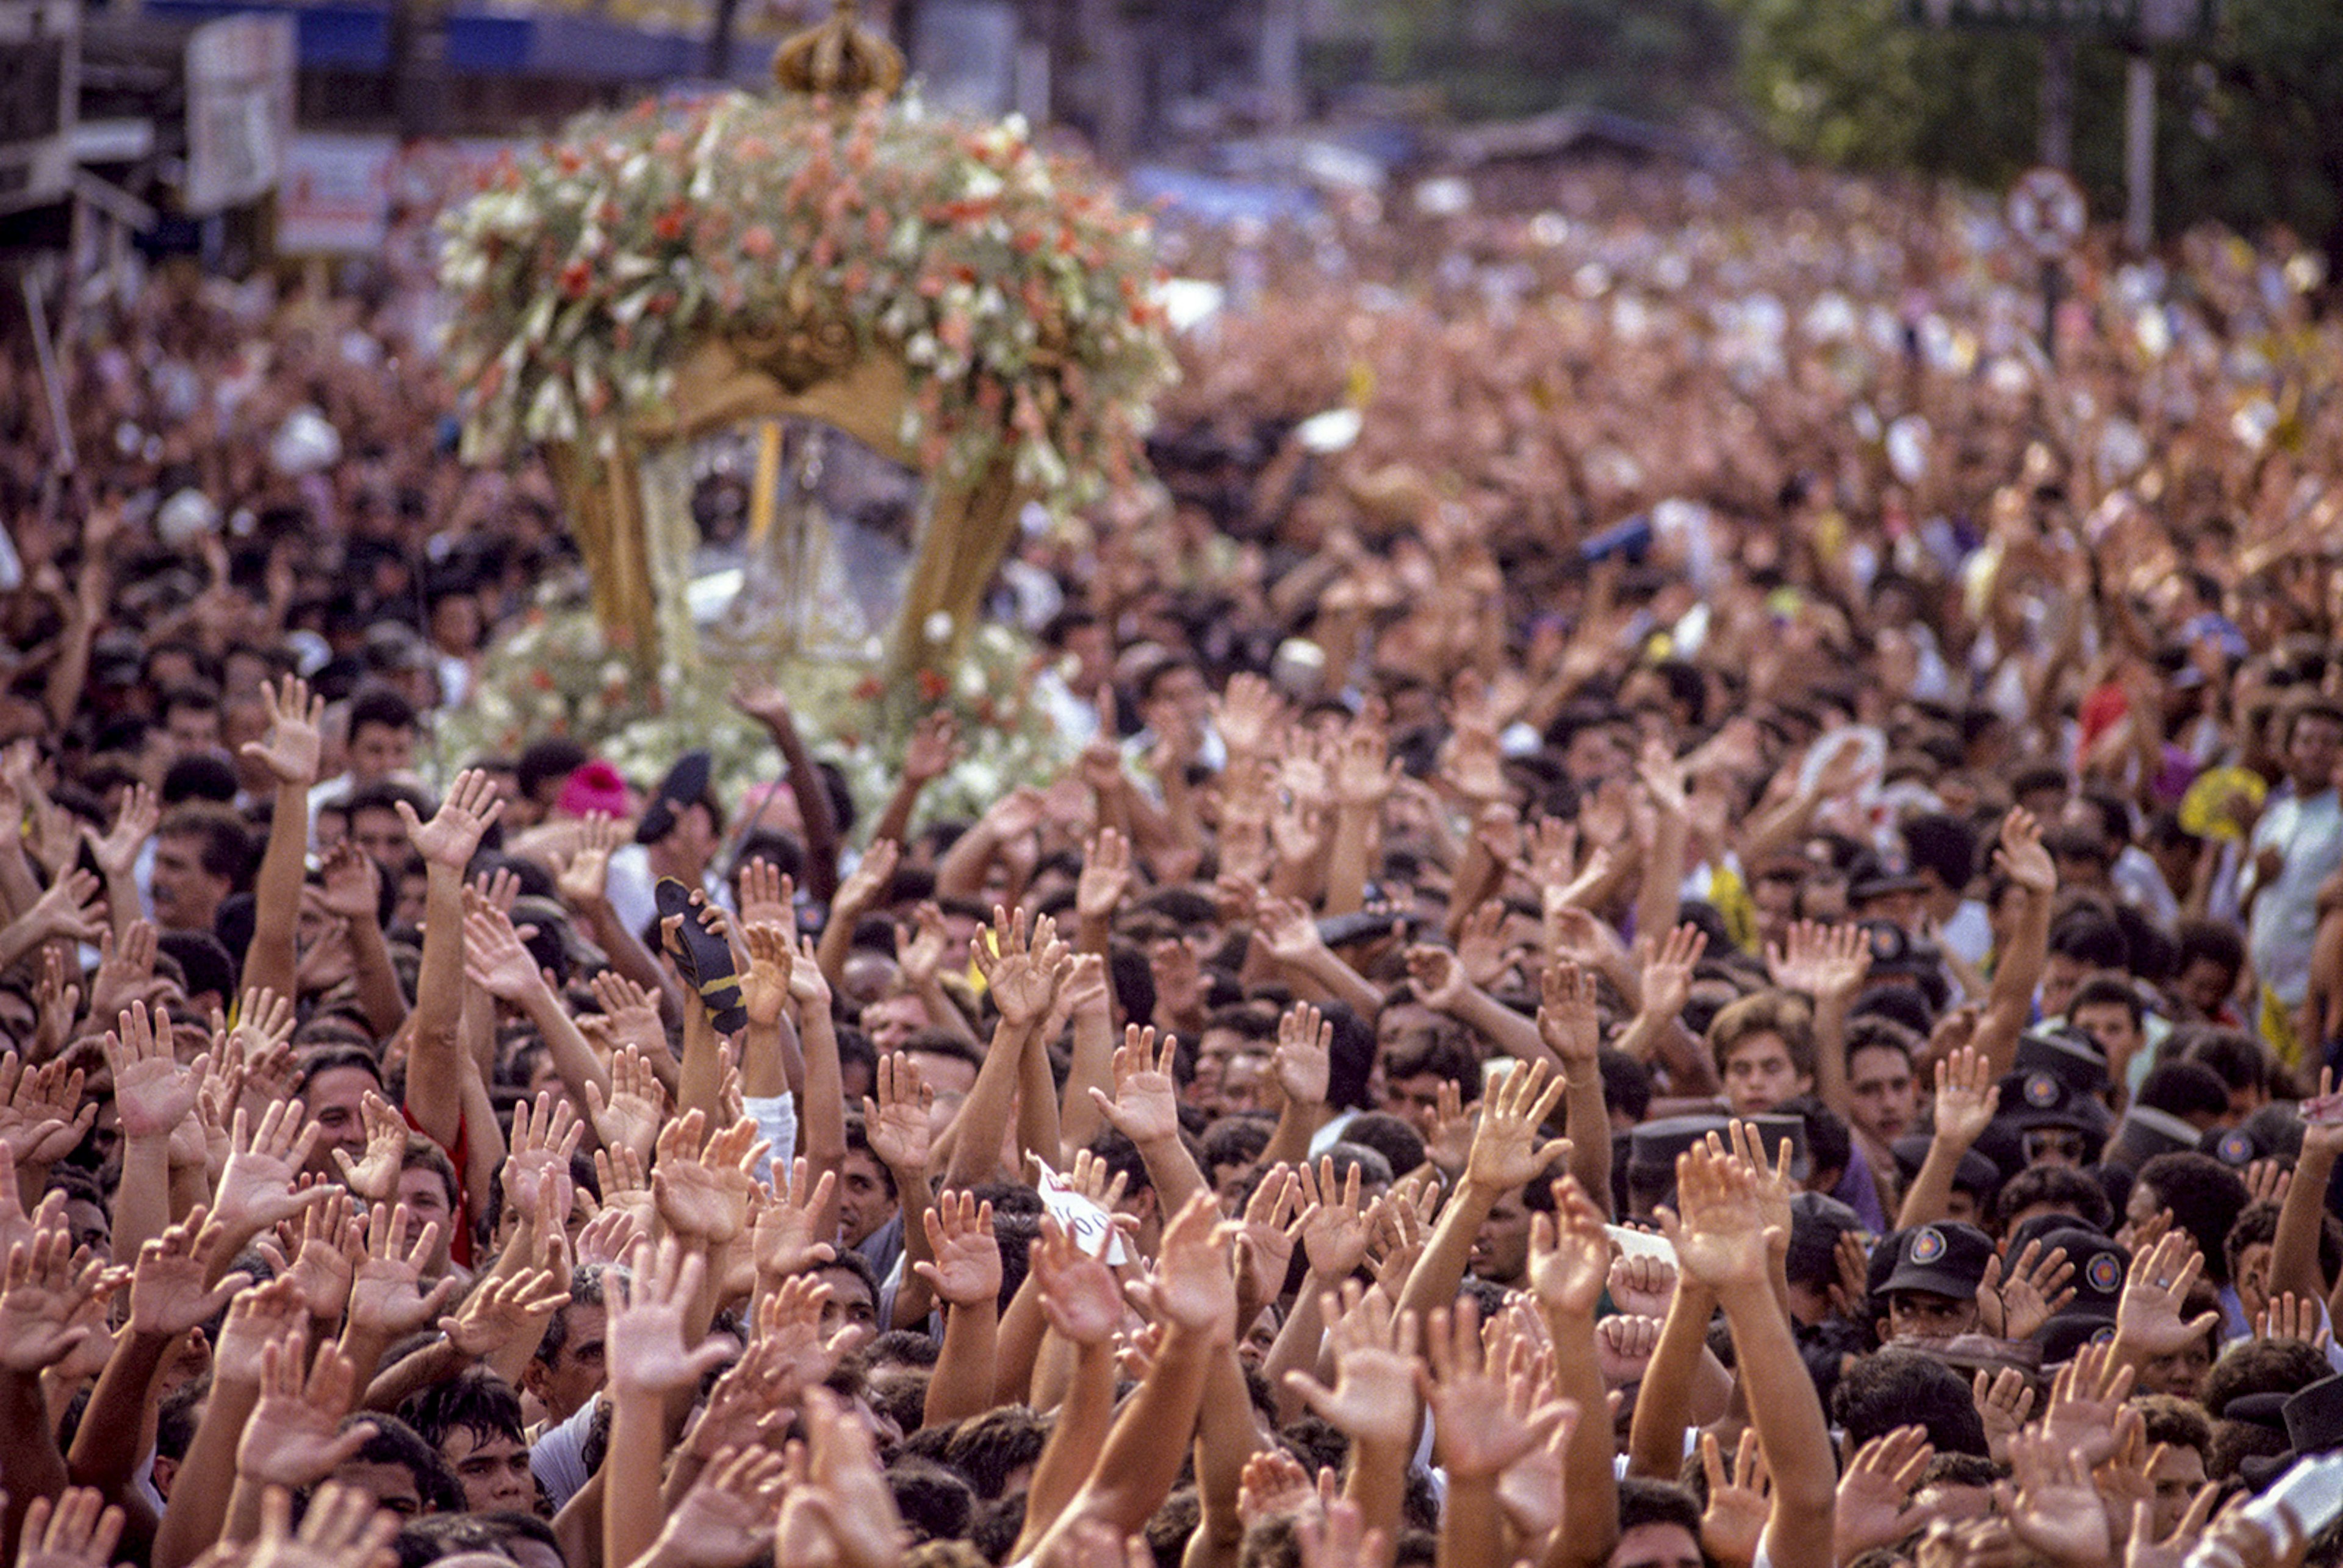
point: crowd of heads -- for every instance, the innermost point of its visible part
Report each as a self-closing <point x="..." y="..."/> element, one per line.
<point x="1695" y="916"/>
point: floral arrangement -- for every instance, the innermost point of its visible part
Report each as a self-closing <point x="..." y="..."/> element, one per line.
<point x="556" y="674"/>
<point x="1019" y="295"/>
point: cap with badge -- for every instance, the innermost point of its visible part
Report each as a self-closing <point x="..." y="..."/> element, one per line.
<point x="2041" y="1098"/>
<point x="2272" y="1132"/>
<point x="1870" y="875"/>
<point x="686" y="784"/>
<point x="2065" y="1053"/>
<point x="1946" y="1259"/>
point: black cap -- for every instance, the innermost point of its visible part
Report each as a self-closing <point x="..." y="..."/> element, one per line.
<point x="2070" y="1331"/>
<point x="1817" y="1223"/>
<point x="1976" y="1173"/>
<point x="2068" y="1054"/>
<point x="1897" y="952"/>
<point x="2044" y="1099"/>
<point x="686" y="784"/>
<point x="2098" y="1263"/>
<point x="1773" y="1129"/>
<point x="2272" y="1132"/>
<point x="1947" y="1257"/>
<point x="1655" y="1145"/>
<point x="1870" y="875"/>
<point x="2146" y="1133"/>
<point x="2314" y="1417"/>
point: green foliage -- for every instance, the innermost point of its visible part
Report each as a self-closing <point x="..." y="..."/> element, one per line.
<point x="1499" y="59"/>
<point x="2249" y="125"/>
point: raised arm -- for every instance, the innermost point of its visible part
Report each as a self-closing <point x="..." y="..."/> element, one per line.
<point x="2017" y="973"/>
<point x="2294" y="1250"/>
<point x="1568" y="1024"/>
<point x="1570" y="1258"/>
<point x="765" y="703"/>
<point x="1509" y="1151"/>
<point x="447" y="843"/>
<point x="289" y="752"/>
<point x="1722" y="1244"/>
<point x="966" y="1277"/>
<point x="1193" y="1298"/>
<point x="1965" y="1103"/>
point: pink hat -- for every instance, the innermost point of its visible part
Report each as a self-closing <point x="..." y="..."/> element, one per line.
<point x="596" y="787"/>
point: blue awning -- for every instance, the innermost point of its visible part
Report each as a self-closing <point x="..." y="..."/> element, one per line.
<point x="356" y="37"/>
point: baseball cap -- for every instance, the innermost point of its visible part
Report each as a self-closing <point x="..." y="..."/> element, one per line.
<point x="686" y="784"/>
<point x="1947" y="1257"/>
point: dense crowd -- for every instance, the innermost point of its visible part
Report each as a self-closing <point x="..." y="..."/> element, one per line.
<point x="1697" y="921"/>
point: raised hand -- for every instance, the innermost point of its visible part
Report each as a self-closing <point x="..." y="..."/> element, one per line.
<point x="933" y="749"/>
<point x="635" y="1109"/>
<point x="1740" y="1500"/>
<point x="1364" y="773"/>
<point x="350" y="884"/>
<point x="1570" y="1252"/>
<point x="782" y="1238"/>
<point x="1826" y="963"/>
<point x="1567" y="1021"/>
<point x="1374" y="1392"/>
<point x="263" y="1029"/>
<point x="1716" y="1228"/>
<point x="1286" y="929"/>
<point x="70" y="910"/>
<point x="2051" y="1502"/>
<point x="2085" y="1397"/>
<point x="495" y="958"/>
<point x="453" y="835"/>
<point x="1250" y="715"/>
<point x="630" y="1013"/>
<point x="387" y="1295"/>
<point x="896" y="1119"/>
<point x="291" y="749"/>
<point x="1193" y="1288"/>
<point x="1624" y="1347"/>
<point x="1271" y="1224"/>
<point x="584" y="880"/>
<point x="79" y="1530"/>
<point x="116" y="851"/>
<point x="42" y="1118"/>
<point x="256" y="1187"/>
<point x="2292" y="1317"/>
<point x="2148" y="1313"/>
<point x="544" y="1138"/>
<point x="703" y="1189"/>
<point x="2020" y="856"/>
<point x="167" y="1296"/>
<point x="967" y="1266"/>
<point x="725" y="1520"/>
<point x="871" y="876"/>
<point x="1080" y="1296"/>
<point x="291" y="1439"/>
<point x="1507" y="1151"/>
<point x="1966" y="1098"/>
<point x="503" y="1310"/>
<point x="1875" y="1494"/>
<point x="1107" y="878"/>
<point x="42" y="1294"/>
<point x="1482" y="1420"/>
<point x="2033" y="1289"/>
<point x="1302" y="1057"/>
<point x="1021" y="977"/>
<point x="765" y="983"/>
<point x="374" y="1176"/>
<point x="2004" y="1400"/>
<point x="1439" y="979"/>
<point x="1333" y="1223"/>
<point x="341" y="1529"/>
<point x="1144" y="1107"/>
<point x="326" y="1255"/>
<point x="645" y="1336"/>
